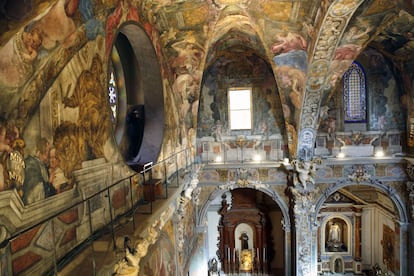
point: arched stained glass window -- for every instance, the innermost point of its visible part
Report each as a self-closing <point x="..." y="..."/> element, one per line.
<point x="354" y="93"/>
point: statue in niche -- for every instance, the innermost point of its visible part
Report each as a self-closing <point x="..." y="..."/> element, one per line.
<point x="338" y="266"/>
<point x="334" y="233"/>
<point x="244" y="238"/>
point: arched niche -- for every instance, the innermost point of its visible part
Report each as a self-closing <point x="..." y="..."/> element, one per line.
<point x="336" y="235"/>
<point x="138" y="118"/>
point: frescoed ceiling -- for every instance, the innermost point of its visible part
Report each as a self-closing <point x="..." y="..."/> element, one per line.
<point x="331" y="33"/>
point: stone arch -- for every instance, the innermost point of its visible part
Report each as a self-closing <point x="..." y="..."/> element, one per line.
<point x="394" y="196"/>
<point x="390" y="191"/>
<point x="264" y="188"/>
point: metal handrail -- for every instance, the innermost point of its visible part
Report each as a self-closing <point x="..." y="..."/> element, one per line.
<point x="147" y="167"/>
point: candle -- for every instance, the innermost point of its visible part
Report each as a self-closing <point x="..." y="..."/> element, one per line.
<point x="264" y="254"/>
<point x="234" y="255"/>
<point x="228" y="254"/>
<point x="257" y="252"/>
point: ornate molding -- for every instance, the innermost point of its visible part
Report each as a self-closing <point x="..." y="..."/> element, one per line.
<point x="244" y="178"/>
<point x="359" y="174"/>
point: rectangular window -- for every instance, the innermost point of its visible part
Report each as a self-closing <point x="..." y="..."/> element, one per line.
<point x="240" y="108"/>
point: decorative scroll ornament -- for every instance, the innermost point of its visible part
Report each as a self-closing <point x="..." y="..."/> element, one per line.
<point x="359" y="174"/>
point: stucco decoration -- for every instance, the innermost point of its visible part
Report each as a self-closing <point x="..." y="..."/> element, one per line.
<point x="304" y="173"/>
<point x="243" y="178"/>
<point x="334" y="23"/>
<point x="131" y="262"/>
<point x="306" y="226"/>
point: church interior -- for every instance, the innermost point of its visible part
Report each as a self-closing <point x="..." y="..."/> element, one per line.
<point x="207" y="137"/>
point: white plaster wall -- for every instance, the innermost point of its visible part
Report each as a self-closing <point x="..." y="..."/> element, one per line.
<point x="213" y="219"/>
<point x="373" y="220"/>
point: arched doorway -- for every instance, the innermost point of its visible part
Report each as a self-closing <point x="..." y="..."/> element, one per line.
<point x="246" y="220"/>
<point x="136" y="95"/>
<point x="360" y="229"/>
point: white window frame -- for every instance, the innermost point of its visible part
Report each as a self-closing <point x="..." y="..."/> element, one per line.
<point x="240" y="108"/>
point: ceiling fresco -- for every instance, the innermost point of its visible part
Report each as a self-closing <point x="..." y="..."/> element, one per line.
<point x="308" y="44"/>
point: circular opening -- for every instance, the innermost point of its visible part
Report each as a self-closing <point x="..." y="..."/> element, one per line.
<point x="136" y="96"/>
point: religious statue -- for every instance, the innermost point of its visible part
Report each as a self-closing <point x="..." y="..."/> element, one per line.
<point x="244" y="241"/>
<point x="334" y="232"/>
<point x="334" y="237"/>
<point x="213" y="267"/>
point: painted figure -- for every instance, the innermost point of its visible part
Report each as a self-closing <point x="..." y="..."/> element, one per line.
<point x="89" y="97"/>
<point x="36" y="185"/>
<point x="17" y="56"/>
<point x="58" y="26"/>
<point x="57" y="177"/>
<point x="289" y="42"/>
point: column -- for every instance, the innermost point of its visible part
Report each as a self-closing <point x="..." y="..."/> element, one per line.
<point x="305" y="232"/>
<point x="357" y="239"/>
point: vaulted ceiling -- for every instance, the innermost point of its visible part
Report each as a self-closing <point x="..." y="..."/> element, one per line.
<point x="331" y="33"/>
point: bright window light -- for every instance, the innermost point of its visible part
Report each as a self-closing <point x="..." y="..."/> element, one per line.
<point x="240" y="106"/>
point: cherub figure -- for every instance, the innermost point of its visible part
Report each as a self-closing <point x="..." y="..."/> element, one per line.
<point x="305" y="172"/>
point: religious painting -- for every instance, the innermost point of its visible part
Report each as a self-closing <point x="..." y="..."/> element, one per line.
<point x="388" y="247"/>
